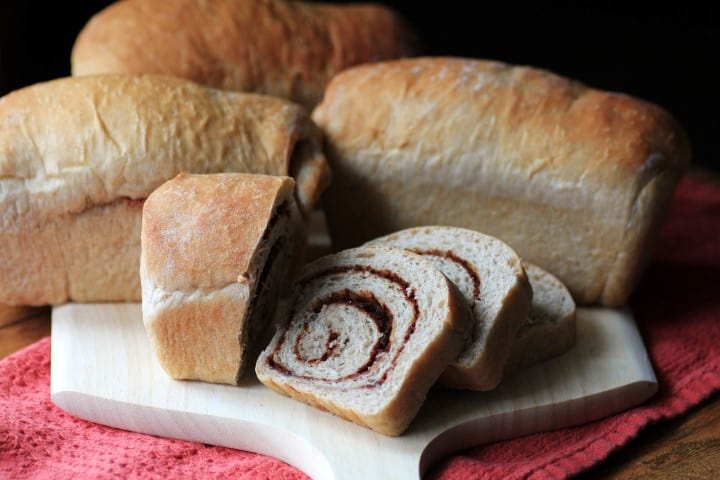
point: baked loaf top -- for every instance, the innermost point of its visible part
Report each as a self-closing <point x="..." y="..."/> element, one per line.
<point x="490" y="276"/>
<point x="277" y="47"/>
<point x="73" y="143"/>
<point x="502" y="103"/>
<point x="216" y="251"/>
<point x="574" y="179"/>
<point x="368" y="333"/>
<point x="236" y="208"/>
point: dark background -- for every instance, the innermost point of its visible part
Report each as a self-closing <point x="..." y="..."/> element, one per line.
<point x="665" y="53"/>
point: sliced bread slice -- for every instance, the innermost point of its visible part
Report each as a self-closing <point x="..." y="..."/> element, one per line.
<point x="550" y="328"/>
<point x="490" y="276"/>
<point x="368" y="333"/>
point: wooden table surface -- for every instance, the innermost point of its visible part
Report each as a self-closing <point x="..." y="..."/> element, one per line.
<point x="687" y="447"/>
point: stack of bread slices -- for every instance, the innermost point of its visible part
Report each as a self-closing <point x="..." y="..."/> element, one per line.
<point x="370" y="330"/>
<point x="366" y="333"/>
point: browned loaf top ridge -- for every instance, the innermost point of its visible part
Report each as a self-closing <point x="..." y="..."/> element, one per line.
<point x="283" y="48"/>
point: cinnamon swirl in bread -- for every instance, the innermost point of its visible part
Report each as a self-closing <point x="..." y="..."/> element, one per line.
<point x="368" y="333"/>
<point x="490" y="276"/>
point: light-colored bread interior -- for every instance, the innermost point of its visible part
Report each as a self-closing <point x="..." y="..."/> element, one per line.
<point x="491" y="278"/>
<point x="550" y="328"/>
<point x="367" y="335"/>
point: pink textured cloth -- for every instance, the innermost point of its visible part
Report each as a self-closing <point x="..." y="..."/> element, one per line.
<point x="677" y="307"/>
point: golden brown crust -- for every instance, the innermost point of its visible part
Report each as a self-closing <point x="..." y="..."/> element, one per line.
<point x="572" y="178"/>
<point x="75" y="147"/>
<point x="211" y="226"/>
<point x="206" y="241"/>
<point x="87" y="256"/>
<point x="199" y="340"/>
<point x="78" y="142"/>
<point x="288" y="49"/>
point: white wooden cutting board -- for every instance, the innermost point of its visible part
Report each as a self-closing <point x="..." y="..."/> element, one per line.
<point x="103" y="371"/>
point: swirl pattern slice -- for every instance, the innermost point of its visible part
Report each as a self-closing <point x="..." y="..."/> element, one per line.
<point x="368" y="333"/>
<point x="490" y="276"/>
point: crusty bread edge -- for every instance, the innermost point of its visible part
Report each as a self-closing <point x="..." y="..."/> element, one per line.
<point x="486" y="371"/>
<point x="175" y="328"/>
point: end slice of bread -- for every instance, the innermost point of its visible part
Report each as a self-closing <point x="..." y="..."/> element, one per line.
<point x="216" y="251"/>
<point x="490" y="276"/>
<point x="550" y="328"/>
<point x="367" y="334"/>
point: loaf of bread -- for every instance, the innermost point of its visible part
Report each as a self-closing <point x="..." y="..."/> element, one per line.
<point x="368" y="333"/>
<point x="277" y="47"/>
<point x="216" y="252"/>
<point x="490" y="276"/>
<point x="575" y="180"/>
<point x="550" y="327"/>
<point x="78" y="156"/>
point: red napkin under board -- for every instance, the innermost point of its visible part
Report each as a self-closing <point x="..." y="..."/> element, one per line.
<point x="677" y="307"/>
